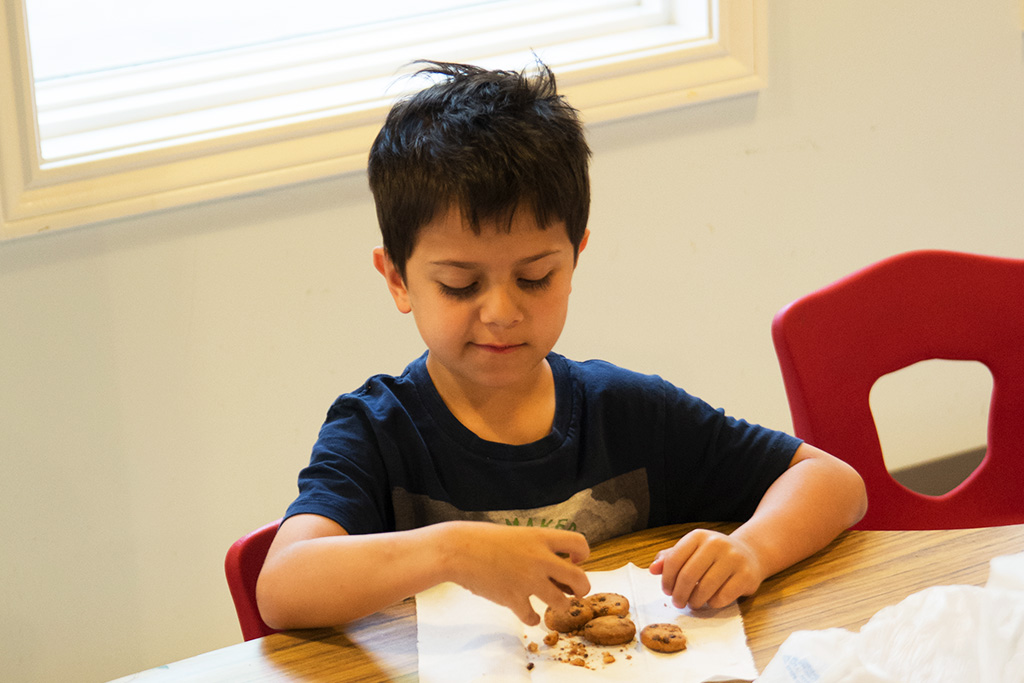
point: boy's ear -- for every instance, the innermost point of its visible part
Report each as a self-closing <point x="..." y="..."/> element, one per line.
<point x="396" y="283"/>
<point x="583" y="245"/>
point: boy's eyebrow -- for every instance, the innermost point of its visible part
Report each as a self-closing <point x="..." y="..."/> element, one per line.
<point x="469" y="265"/>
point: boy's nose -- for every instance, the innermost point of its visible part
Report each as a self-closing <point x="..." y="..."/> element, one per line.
<point x="499" y="307"/>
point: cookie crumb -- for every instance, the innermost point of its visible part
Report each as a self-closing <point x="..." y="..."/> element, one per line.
<point x="529" y="666"/>
<point x="532" y="647"/>
<point x="608" y="658"/>
<point x="578" y="662"/>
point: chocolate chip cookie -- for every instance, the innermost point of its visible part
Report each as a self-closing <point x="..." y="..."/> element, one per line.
<point x="610" y="630"/>
<point x="608" y="604"/>
<point x="663" y="638"/>
<point x="571" y="619"/>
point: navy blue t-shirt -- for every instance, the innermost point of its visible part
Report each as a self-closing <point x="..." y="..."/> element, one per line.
<point x="626" y="452"/>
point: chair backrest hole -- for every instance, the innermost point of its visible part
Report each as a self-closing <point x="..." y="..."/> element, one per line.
<point x="932" y="421"/>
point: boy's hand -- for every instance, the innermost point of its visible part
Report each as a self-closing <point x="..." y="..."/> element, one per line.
<point x="508" y="564"/>
<point x="707" y="568"/>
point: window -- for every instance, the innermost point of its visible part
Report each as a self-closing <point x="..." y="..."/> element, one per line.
<point x="175" y="114"/>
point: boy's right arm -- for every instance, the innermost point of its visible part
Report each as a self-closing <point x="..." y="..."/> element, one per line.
<point x="316" y="574"/>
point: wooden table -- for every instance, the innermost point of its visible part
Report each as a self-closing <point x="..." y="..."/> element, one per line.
<point x="841" y="586"/>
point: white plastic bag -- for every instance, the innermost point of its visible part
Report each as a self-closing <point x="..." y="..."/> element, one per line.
<point x="818" y="657"/>
<point x="954" y="634"/>
<point x="1006" y="572"/>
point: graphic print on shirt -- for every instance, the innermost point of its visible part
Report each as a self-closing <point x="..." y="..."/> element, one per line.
<point x="614" y="507"/>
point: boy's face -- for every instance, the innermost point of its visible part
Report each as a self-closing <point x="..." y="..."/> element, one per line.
<point x="490" y="306"/>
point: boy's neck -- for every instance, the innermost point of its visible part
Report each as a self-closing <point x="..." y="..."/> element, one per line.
<point x="511" y="415"/>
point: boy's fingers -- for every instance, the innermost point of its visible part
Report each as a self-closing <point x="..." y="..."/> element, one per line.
<point x="692" y="579"/>
<point x="524" y="610"/>
<point x="702" y="592"/>
<point x="531" y="619"/>
<point x="556" y="599"/>
<point x="710" y="583"/>
<point x="578" y="588"/>
<point x="673" y="561"/>
<point x="570" y="579"/>
<point x="557" y="594"/>
<point x="725" y="595"/>
<point x="571" y="546"/>
<point x="695" y="585"/>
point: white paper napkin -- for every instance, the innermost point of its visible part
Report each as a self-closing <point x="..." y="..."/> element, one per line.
<point x="463" y="637"/>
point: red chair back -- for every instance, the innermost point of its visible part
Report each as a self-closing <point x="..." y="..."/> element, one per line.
<point x="242" y="567"/>
<point x="835" y="343"/>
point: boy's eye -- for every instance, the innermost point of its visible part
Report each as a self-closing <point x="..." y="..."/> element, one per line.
<point x="458" y="292"/>
<point x="529" y="284"/>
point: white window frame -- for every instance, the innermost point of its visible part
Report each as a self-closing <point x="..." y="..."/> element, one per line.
<point x="295" y="138"/>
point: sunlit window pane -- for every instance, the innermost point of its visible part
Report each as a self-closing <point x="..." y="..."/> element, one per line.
<point x="70" y="37"/>
<point x="119" y="106"/>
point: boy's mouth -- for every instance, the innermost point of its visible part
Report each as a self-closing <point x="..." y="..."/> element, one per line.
<point x="499" y="348"/>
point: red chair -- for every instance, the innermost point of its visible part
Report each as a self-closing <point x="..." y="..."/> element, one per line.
<point x="242" y="566"/>
<point x="835" y="343"/>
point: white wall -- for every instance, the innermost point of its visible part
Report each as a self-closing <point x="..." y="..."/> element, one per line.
<point x="162" y="378"/>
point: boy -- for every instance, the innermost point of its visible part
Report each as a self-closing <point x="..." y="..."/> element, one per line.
<point x="492" y="461"/>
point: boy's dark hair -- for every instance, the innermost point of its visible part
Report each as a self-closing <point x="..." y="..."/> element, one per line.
<point x="489" y="142"/>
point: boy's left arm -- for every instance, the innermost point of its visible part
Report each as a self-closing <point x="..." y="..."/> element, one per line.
<point x="814" y="500"/>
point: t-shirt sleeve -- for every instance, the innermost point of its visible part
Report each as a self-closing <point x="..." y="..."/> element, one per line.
<point x="719" y="466"/>
<point x="345" y="480"/>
